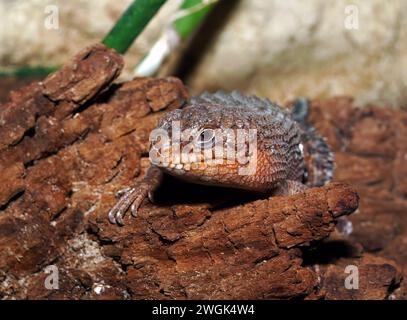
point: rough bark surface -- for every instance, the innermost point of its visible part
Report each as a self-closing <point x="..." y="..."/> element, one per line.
<point x="371" y="155"/>
<point x="70" y="142"/>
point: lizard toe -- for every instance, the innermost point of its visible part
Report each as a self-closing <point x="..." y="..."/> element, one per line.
<point x="122" y="192"/>
<point x="138" y="200"/>
<point x="134" y="208"/>
<point x="111" y="217"/>
<point x="117" y="213"/>
<point x="119" y="217"/>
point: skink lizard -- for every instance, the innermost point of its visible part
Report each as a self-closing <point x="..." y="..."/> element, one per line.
<point x="289" y="154"/>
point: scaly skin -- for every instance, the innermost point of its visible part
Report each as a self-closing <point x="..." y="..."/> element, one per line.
<point x="289" y="152"/>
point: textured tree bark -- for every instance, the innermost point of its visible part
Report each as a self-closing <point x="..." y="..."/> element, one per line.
<point x="70" y="142"/>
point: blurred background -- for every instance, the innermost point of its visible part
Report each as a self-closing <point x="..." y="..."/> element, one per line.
<point x="277" y="49"/>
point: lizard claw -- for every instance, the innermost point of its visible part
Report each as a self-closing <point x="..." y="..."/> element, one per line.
<point x="121" y="192"/>
<point x="137" y="202"/>
<point x="112" y="216"/>
<point x="129" y="197"/>
<point x="118" y="218"/>
<point x="133" y="210"/>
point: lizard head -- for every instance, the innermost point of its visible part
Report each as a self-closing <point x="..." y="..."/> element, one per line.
<point x="206" y="142"/>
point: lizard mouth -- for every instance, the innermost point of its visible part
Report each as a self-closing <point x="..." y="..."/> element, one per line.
<point x="208" y="162"/>
<point x="200" y="165"/>
<point x="197" y="162"/>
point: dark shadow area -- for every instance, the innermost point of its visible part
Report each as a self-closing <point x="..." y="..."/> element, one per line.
<point x="175" y="191"/>
<point x="11" y="200"/>
<point x="205" y="35"/>
<point x="327" y="252"/>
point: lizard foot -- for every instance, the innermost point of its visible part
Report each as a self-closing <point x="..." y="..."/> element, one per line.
<point x="132" y="197"/>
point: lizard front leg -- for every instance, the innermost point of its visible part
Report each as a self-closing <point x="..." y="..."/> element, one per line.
<point x="134" y="196"/>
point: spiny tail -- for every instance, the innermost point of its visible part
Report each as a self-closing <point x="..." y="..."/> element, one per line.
<point x="318" y="157"/>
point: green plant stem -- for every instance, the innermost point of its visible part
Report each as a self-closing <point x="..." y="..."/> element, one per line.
<point x="28" y="71"/>
<point x="185" y="22"/>
<point x="131" y="24"/>
<point x="189" y="23"/>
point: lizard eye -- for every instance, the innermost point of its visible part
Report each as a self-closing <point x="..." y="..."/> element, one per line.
<point x="206" y="137"/>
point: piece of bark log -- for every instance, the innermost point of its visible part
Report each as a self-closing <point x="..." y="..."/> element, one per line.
<point x="237" y="253"/>
<point x="72" y="141"/>
<point x="370" y="147"/>
<point x="386" y="274"/>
